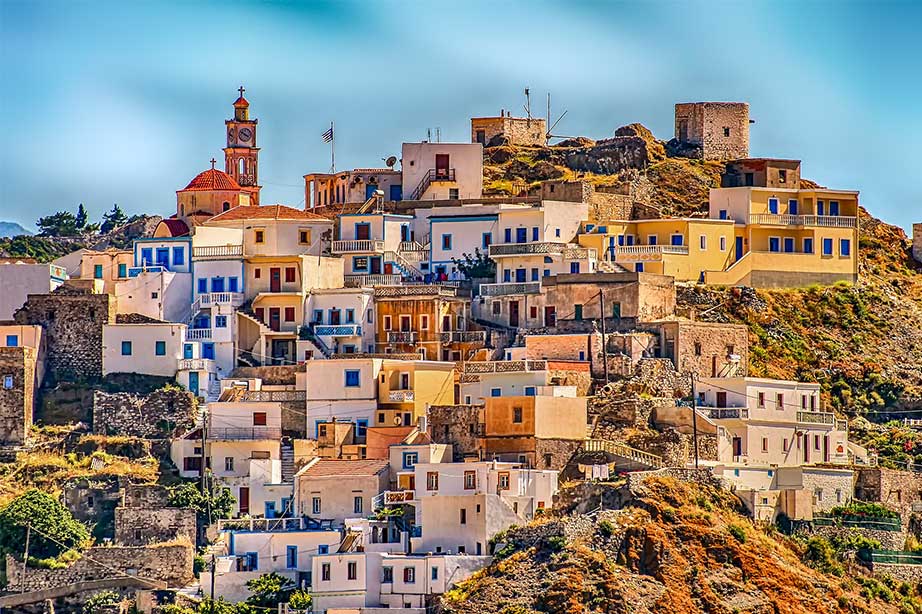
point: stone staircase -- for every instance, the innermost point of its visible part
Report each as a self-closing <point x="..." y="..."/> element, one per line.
<point x="606" y="266"/>
<point x="626" y="457"/>
<point x="288" y="461"/>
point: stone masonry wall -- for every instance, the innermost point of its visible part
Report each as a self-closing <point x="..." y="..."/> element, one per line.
<point x="889" y="540"/>
<point x="459" y="425"/>
<point x="898" y="490"/>
<point x="171" y="564"/>
<point x="154" y="416"/>
<point x="555" y="453"/>
<point x="17" y="367"/>
<point x="705" y="123"/>
<point x="704" y="347"/>
<point x="141" y="526"/>
<point x="293" y="419"/>
<point x="917" y="242"/>
<point x="73" y="323"/>
<point x="145" y="496"/>
<point x="516" y="130"/>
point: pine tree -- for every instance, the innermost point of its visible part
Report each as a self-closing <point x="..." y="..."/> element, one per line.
<point x="113" y="219"/>
<point x="81" y="217"/>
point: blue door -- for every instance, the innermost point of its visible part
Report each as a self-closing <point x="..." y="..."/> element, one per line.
<point x="163" y="257"/>
<point x="739" y="247"/>
<point x="833" y="207"/>
<point x="369" y="192"/>
<point x="270" y="509"/>
<point x="217" y="284"/>
<point x="521" y="235"/>
<point x="286" y="506"/>
<point x="520" y="275"/>
<point x="193" y="382"/>
<point x="774" y="244"/>
<point x="611" y="248"/>
<point x="187" y="351"/>
<point x="396" y="193"/>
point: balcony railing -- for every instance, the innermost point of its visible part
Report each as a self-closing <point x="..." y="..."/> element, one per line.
<point x="401" y="396"/>
<point x="358" y="246"/>
<point x="221" y="298"/>
<point x="364" y="281"/>
<point x="505" y="366"/>
<point x="463" y="336"/>
<point x="244" y="433"/>
<point x="338" y="330"/>
<point x="217" y="251"/>
<point x="525" y="249"/>
<point x="402" y="336"/>
<point x="196" y="364"/>
<point x="274" y="395"/>
<point x="645" y="253"/>
<point x="197" y="334"/>
<point x="416" y="290"/>
<point x="825" y="221"/>
<point x="816" y="417"/>
<point x="724" y="413"/>
<point x="272" y="524"/>
<point x="507" y="288"/>
<point x="579" y="253"/>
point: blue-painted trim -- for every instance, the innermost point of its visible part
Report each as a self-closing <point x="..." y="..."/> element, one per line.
<point x="463" y="218"/>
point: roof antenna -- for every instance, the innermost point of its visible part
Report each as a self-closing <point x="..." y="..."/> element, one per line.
<point x="527" y="104"/>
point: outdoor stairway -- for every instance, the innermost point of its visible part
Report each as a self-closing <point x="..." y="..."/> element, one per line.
<point x="605" y="266"/>
<point x="288" y="461"/>
<point x="626" y="457"/>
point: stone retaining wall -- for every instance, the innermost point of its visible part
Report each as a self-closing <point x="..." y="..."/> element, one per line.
<point x="900" y="572"/>
<point x="157" y="415"/>
<point x="889" y="540"/>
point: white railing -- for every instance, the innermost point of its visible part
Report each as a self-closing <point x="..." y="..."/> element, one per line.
<point x="197" y="334"/>
<point x="816" y="417"/>
<point x="724" y="413"/>
<point x="358" y="246"/>
<point x="401" y="396"/>
<point x="221" y="298"/>
<point x="520" y="249"/>
<point x="361" y="281"/>
<point x="826" y="221"/>
<point x="506" y="288"/>
<point x="196" y="364"/>
<point x="625" y="451"/>
<point x="338" y="330"/>
<point x="217" y="251"/>
<point x="638" y="253"/>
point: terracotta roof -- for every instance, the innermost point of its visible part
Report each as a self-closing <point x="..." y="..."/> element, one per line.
<point x="241" y="102"/>
<point x="212" y="179"/>
<point x="177" y="228"/>
<point x="267" y="212"/>
<point x="325" y="468"/>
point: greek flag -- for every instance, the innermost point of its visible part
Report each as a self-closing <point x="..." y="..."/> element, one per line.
<point x="328" y="135"/>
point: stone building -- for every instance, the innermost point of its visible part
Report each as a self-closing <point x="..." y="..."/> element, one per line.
<point x="715" y="130"/>
<point x="900" y="491"/>
<point x="93" y="502"/>
<point x="505" y="129"/>
<point x="917" y="242"/>
<point x="709" y="349"/>
<point x="145" y="517"/>
<point x="462" y="426"/>
<point x="72" y="320"/>
<point x="20" y="370"/>
<point x="156" y="415"/>
<point x="763" y="172"/>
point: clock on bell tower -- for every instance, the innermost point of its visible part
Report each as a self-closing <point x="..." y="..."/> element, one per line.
<point x="241" y="156"/>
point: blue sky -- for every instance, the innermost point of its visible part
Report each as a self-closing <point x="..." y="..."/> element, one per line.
<point x="124" y="102"/>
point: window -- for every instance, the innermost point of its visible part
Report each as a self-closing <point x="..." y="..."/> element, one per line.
<point x="291" y="557"/>
<point x="470" y="480"/>
<point x="577" y="312"/>
<point x="765" y="444"/>
<point x="410" y="459"/>
<point x="352" y="379"/>
<point x="315" y="505"/>
<point x="827" y="247"/>
<point x="304" y="237"/>
<point x="703" y="242"/>
<point x="323" y="549"/>
<point x="126" y="348"/>
<point x="574" y="267"/>
<point x="761" y="399"/>
<point x="220" y="321"/>
<point x="289" y="314"/>
<point x="677" y="240"/>
<point x="784" y="445"/>
<point x="816" y="442"/>
<point x="123" y="270"/>
<point x="497" y="306"/>
<point x="97" y="271"/>
<point x="432" y="480"/>
<point x="350" y="316"/>
<point x="208" y="350"/>
<point x="147" y="256"/>
<point x="697" y="349"/>
<point x="779" y="401"/>
<point x="845" y="247"/>
<point x="726" y="131"/>
<point x="257" y="273"/>
<point x="289" y="274"/>
<point x="260" y="236"/>
<point x="409" y="575"/>
<point x="446" y="241"/>
<point x="808" y="245"/>
<point x="352" y="570"/>
<point x="387" y="575"/>
<point x="782" y="175"/>
<point x="259" y="418"/>
<point x="12" y="341"/>
<point x="496" y="392"/>
<point x="486" y="240"/>
<point x="530" y="391"/>
<point x="792" y="206"/>
<point x="534" y="233"/>
<point x="503" y="479"/>
<point x="818" y="493"/>
<point x="788" y="245"/>
<point x="423" y="322"/>
<point x="722" y="214"/>
<point x="325" y="572"/>
<point x="463" y="515"/>
<point x="435" y="573"/>
<point x="723" y="244"/>
<point x="179" y="256"/>
<point x="8" y="381"/>
<point x="160" y="348"/>
<point x="517" y="415"/>
<point x="203" y="285"/>
<point x="228" y="463"/>
<point x="357" y="505"/>
<point x="453" y="193"/>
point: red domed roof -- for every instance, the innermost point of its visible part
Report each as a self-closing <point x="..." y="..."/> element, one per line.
<point x="212" y="179"/>
<point x="241" y="102"/>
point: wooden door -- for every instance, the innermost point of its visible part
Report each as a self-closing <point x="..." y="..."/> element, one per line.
<point x="441" y="166"/>
<point x="721" y="399"/>
<point x="514" y="313"/>
<point x="244" y="500"/>
<point x="376" y="266"/>
<point x="275" y="279"/>
<point x="550" y="316"/>
<point x="275" y="319"/>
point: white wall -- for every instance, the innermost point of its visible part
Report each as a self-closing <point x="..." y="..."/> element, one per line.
<point x="143" y="358"/>
<point x="164" y="296"/>
<point x="465" y="158"/>
<point x="18" y="280"/>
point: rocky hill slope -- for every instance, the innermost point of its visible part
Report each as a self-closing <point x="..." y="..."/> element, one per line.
<point x="672" y="547"/>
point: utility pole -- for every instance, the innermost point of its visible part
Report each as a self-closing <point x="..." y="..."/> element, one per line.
<point x="25" y="558"/>
<point x="604" y="338"/>
<point x="694" y="392"/>
<point x="202" y="457"/>
<point x="212" y="581"/>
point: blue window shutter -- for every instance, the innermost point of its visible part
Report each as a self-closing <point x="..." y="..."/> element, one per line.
<point x="179" y="255"/>
<point x="126" y="348"/>
<point x="202" y="286"/>
<point x="160" y="348"/>
<point x="123" y="270"/>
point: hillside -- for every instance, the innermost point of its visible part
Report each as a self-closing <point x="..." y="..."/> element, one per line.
<point x="671" y="547"/>
<point x="12" y="229"/>
<point x="46" y="249"/>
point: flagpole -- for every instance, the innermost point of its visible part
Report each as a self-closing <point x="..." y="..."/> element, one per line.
<point x="332" y="149"/>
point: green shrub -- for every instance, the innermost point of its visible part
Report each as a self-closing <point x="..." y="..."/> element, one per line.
<point x="606" y="528"/>
<point x="738" y="532"/>
<point x="55" y="529"/>
<point x="100" y="600"/>
<point x="556" y="543"/>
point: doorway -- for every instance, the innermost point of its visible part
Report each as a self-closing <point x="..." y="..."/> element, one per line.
<point x="275" y="318"/>
<point x="244" y="500"/>
<point x="275" y="279"/>
<point x="441" y="166"/>
<point x="514" y="313"/>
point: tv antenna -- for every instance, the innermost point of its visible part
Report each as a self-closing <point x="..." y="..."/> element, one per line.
<point x="550" y="127"/>
<point x="527" y="103"/>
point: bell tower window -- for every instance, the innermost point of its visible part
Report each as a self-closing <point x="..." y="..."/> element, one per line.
<point x="225" y="206"/>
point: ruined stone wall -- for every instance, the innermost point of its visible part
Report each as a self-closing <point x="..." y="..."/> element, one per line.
<point x="555" y="453"/>
<point x="898" y="490"/>
<point x="17" y="368"/>
<point x="561" y="375"/>
<point x="72" y="323"/>
<point x="278" y="375"/>
<point x="513" y="130"/>
<point x="141" y="526"/>
<point x="889" y="540"/>
<point x="93" y="502"/>
<point x="917" y="242"/>
<point x="294" y="421"/>
<point x="605" y="207"/>
<point x="458" y="425"/>
<point x="703" y="125"/>
<point x="145" y="496"/>
<point x="704" y="347"/>
<point x="169" y="563"/>
<point x="154" y="416"/>
<point x="568" y="191"/>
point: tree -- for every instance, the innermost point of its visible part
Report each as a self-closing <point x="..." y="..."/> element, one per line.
<point x="54" y="528"/>
<point x="478" y="265"/>
<point x="60" y="224"/>
<point x="269" y="590"/>
<point x="219" y="502"/>
<point x="101" y="601"/>
<point x="113" y="219"/>
<point x="300" y="600"/>
<point x="81" y="219"/>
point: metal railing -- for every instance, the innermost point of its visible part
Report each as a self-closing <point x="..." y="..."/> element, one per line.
<point x="441" y="174"/>
<point x="637" y="253"/>
<point x="402" y="336"/>
<point x="520" y="249"/>
<point x="271" y="524"/>
<point x="401" y="396"/>
<point x="337" y="330"/>
<point x="505" y="366"/>
<point x="724" y="413"/>
<point x="242" y="433"/>
<point x="358" y="246"/>
<point x="826" y="221"/>
<point x="275" y="395"/>
<point x="463" y="336"/>
<point x="416" y="290"/>
<point x="508" y="288"/>
<point x="217" y="251"/>
<point x="361" y="281"/>
<point x="816" y="417"/>
<point x="196" y="364"/>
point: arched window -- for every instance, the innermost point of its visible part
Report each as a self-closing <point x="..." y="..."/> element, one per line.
<point x="225" y="206"/>
<point x="182" y="209"/>
<point x="241" y="166"/>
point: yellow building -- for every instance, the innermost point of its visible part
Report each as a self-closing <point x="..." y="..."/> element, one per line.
<point x="406" y="388"/>
<point x="109" y="266"/>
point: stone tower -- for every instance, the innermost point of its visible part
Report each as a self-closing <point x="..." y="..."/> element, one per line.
<point x="241" y="156"/>
<point x="917" y="242"/>
<point x="716" y="130"/>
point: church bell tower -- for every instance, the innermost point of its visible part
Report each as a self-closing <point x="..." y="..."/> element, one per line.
<point x="241" y="156"/>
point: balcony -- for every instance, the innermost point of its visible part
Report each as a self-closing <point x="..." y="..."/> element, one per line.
<point x="505" y="366"/>
<point x="215" y="252"/>
<point x="274" y="524"/>
<point x="463" y="336"/>
<point x="509" y="288"/>
<point x="823" y="221"/>
<point x="234" y="299"/>
<point x="527" y="249"/>
<point x="358" y="246"/>
<point x="198" y="334"/>
<point x="816" y="417"/>
<point x="244" y="433"/>
<point x="724" y="413"/>
<point x="274" y="395"/>
<point x="337" y="330"/>
<point x="366" y="281"/>
<point x="402" y="337"/>
<point x="196" y="364"/>
<point x="401" y="396"/>
<point x="647" y="253"/>
<point x="416" y="290"/>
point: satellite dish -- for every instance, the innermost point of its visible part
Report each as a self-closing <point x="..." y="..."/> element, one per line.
<point x="390" y="162"/>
